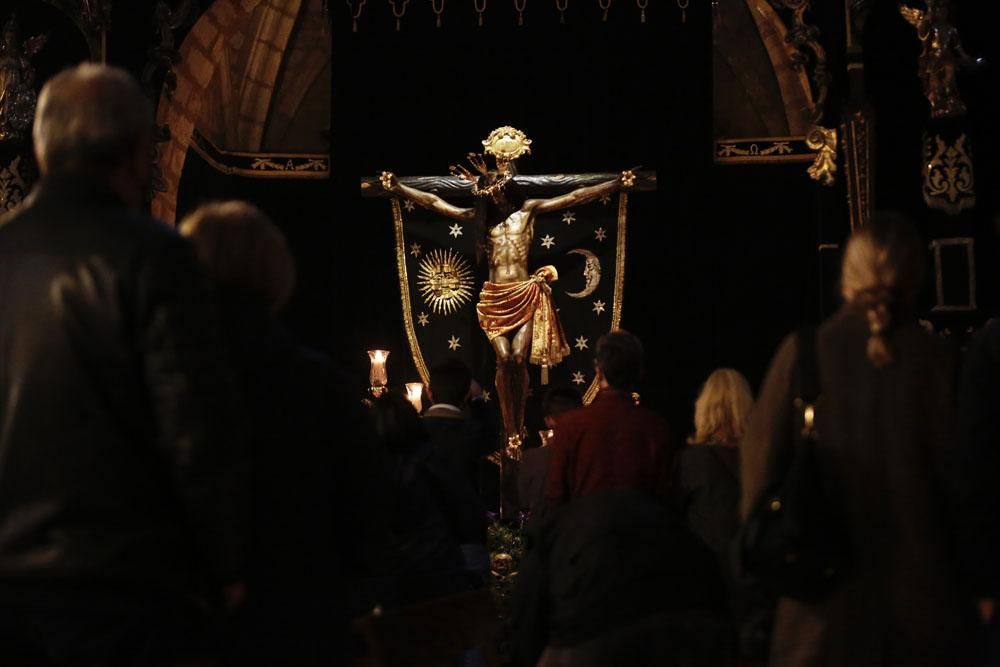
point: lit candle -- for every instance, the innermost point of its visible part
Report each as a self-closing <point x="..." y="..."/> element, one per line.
<point x="377" y="377"/>
<point x="414" y="392"/>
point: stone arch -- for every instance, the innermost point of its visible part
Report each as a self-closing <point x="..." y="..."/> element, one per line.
<point x="760" y="92"/>
<point x="234" y="41"/>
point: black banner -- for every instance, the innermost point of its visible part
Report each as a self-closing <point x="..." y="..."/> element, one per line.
<point x="441" y="277"/>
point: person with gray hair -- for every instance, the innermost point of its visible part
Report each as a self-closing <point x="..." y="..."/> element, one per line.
<point x="95" y="120"/>
<point x="122" y="481"/>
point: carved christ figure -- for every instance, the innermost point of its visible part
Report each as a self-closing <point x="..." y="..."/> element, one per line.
<point x="515" y="307"/>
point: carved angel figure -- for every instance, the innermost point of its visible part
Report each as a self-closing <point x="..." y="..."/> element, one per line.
<point x="17" y="76"/>
<point x="942" y="54"/>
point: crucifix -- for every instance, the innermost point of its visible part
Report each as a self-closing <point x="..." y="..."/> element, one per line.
<point x="515" y="308"/>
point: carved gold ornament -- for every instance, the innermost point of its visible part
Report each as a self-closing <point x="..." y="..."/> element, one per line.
<point x="17" y="78"/>
<point x="13" y="188"/>
<point x="507" y="144"/>
<point x="824" y="167"/>
<point x="858" y="162"/>
<point x="591" y="273"/>
<point x="806" y="49"/>
<point x="386" y="179"/>
<point x="949" y="183"/>
<point x="941" y="56"/>
<point x="445" y="281"/>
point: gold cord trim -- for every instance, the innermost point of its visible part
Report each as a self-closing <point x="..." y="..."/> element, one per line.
<point x="404" y="289"/>
<point x="616" y="309"/>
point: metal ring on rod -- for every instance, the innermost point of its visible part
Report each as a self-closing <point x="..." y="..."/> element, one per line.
<point x="562" y="10"/>
<point x="398" y="13"/>
<point x="683" y="5"/>
<point x="520" y="10"/>
<point x="355" y="13"/>
<point x="437" y="11"/>
<point x="605" y="5"/>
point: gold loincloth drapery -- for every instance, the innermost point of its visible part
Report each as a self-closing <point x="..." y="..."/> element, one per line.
<point x="504" y="307"/>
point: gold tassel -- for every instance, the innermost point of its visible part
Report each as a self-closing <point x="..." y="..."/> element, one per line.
<point x="545" y="374"/>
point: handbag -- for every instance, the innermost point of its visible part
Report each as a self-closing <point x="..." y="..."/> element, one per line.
<point x="794" y="543"/>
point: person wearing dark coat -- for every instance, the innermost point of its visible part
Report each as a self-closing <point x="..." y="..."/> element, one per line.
<point x="456" y="422"/>
<point x="422" y="558"/>
<point x="123" y="481"/>
<point x="532" y="473"/>
<point x="706" y="494"/>
<point x="886" y="454"/>
<point x="616" y="579"/>
<point x="460" y="442"/>
<point x="979" y="439"/>
<point x="706" y="485"/>
<point x="303" y="429"/>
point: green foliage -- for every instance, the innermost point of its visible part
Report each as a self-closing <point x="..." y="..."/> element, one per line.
<point x="506" y="546"/>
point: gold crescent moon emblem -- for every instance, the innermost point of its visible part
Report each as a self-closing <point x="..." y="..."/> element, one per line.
<point x="591" y="273"/>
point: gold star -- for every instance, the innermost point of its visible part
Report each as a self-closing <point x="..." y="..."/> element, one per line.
<point x="456" y="230"/>
<point x="581" y="343"/>
<point x="600" y="234"/>
<point x="548" y="241"/>
<point x="598" y="307"/>
<point x="569" y="217"/>
<point x="415" y="249"/>
<point x="408" y="205"/>
<point x="605" y="199"/>
<point x="486" y="396"/>
<point x="422" y="319"/>
<point x="578" y="378"/>
<point x="453" y="343"/>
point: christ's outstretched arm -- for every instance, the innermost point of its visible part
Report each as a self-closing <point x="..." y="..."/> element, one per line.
<point x="426" y="199"/>
<point x="582" y="195"/>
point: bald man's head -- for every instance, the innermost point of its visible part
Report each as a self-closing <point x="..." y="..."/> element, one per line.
<point x="93" y="119"/>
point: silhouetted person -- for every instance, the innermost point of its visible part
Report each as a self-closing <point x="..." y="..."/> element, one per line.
<point x="706" y="493"/>
<point x="615" y="578"/>
<point x="979" y="444"/>
<point x="460" y="443"/>
<point x="532" y="473"/>
<point x="706" y="475"/>
<point x="611" y="444"/>
<point x="421" y="558"/>
<point x="885" y="454"/>
<point x="121" y="484"/>
<point x="303" y="429"/>
<point x="455" y="422"/>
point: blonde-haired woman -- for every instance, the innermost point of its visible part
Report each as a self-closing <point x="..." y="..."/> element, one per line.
<point x="722" y="409"/>
<point x="706" y="492"/>
<point x="883" y="450"/>
<point x="706" y="477"/>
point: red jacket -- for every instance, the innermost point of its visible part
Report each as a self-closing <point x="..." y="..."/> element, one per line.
<point x="610" y="444"/>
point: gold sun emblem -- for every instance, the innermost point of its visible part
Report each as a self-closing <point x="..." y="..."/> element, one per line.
<point x="445" y="281"/>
